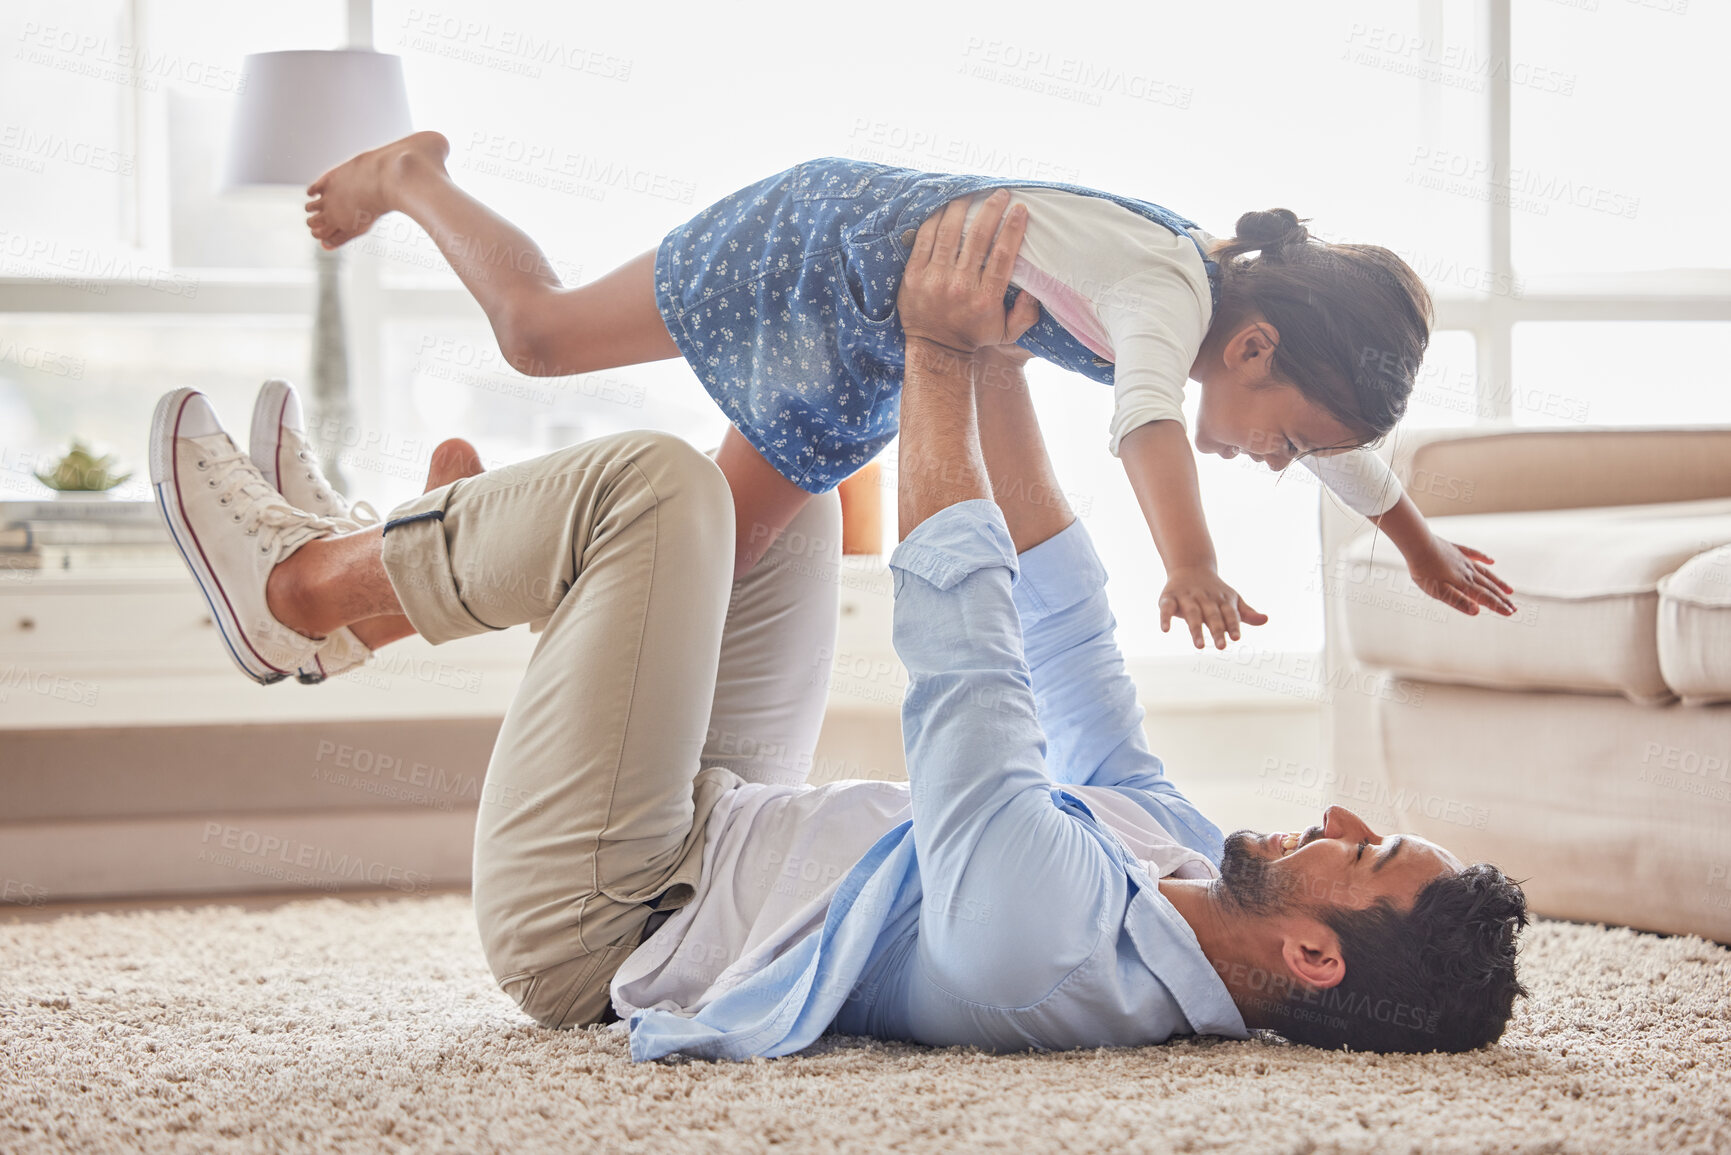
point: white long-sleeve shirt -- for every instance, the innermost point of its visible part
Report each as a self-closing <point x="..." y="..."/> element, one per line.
<point x="1006" y="896"/>
<point x="773" y="857"/>
<point x="1136" y="294"/>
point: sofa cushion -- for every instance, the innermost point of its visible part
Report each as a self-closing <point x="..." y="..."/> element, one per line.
<point x="1695" y="628"/>
<point x="1606" y="810"/>
<point x="1586" y="582"/>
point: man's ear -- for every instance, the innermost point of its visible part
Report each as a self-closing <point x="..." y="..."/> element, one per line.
<point x="1311" y="952"/>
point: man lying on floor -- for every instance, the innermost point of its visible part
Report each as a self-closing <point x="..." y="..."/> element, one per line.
<point x="1038" y="883"/>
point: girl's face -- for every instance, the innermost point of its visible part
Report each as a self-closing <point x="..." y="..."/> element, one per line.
<point x="1245" y="409"/>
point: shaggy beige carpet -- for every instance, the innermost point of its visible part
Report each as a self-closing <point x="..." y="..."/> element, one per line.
<point x="347" y="1026"/>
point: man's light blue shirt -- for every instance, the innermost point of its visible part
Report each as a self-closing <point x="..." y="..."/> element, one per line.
<point x="1003" y="915"/>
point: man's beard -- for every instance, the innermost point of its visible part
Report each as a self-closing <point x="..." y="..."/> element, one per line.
<point x="1247" y="881"/>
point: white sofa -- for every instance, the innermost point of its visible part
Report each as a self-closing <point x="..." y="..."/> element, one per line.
<point x="1584" y="745"/>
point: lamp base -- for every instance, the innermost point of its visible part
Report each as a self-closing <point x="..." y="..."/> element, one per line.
<point x="333" y="413"/>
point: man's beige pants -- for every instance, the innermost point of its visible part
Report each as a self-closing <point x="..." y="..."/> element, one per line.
<point x="657" y="685"/>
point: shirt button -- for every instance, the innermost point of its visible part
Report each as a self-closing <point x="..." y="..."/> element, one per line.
<point x="1101" y="362"/>
<point x="908" y="237"/>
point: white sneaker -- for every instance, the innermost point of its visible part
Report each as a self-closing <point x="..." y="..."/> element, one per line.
<point x="232" y="528"/>
<point x="284" y="455"/>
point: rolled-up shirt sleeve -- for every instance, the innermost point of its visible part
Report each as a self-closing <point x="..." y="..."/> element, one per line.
<point x="968" y="717"/>
<point x="1086" y="701"/>
<point x="1359" y="478"/>
<point x="1002" y="855"/>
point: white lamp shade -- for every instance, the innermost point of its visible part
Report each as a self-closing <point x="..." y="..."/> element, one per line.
<point x="302" y="112"/>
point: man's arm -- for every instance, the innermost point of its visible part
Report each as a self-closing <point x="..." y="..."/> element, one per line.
<point x="968" y="716"/>
<point x="1024" y="485"/>
<point x="999" y="858"/>
<point x="947" y="315"/>
<point x="1085" y="699"/>
<point x="939" y="462"/>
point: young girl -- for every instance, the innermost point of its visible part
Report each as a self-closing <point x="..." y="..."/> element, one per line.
<point x="782" y="297"/>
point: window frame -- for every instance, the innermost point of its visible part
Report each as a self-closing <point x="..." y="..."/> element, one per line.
<point x="1695" y="295"/>
<point x="371" y="302"/>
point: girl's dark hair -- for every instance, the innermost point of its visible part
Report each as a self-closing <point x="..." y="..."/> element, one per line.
<point x="1353" y="320"/>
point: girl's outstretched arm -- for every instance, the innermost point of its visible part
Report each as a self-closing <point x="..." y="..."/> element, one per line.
<point x="1459" y="575"/>
<point x="1163" y="473"/>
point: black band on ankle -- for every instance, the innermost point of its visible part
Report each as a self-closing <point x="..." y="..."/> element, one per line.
<point x="429" y="515"/>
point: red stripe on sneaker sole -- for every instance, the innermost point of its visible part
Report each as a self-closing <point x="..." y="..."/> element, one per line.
<point x="174" y="459"/>
<point x="276" y="482"/>
<point x="276" y="455"/>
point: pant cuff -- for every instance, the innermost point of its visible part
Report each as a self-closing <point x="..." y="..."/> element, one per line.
<point x="417" y="560"/>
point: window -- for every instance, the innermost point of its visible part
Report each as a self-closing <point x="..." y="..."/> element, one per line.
<point x="1621" y="373"/>
<point x="97" y="376"/>
<point x="1264" y="525"/>
<point x="70" y="165"/>
<point x="1446" y="393"/>
<point x="1609" y="169"/>
<point x="443" y="379"/>
<point x="1528" y="160"/>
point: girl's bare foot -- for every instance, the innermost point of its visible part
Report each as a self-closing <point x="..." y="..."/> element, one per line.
<point x="350" y="197"/>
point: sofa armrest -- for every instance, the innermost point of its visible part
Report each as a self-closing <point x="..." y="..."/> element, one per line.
<point x="1495" y="470"/>
<point x="1449" y="471"/>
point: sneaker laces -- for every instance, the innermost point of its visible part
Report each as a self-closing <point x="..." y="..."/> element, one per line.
<point x="360" y="515"/>
<point x="259" y="509"/>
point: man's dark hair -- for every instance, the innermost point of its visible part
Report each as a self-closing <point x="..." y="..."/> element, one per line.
<point x="1438" y="977"/>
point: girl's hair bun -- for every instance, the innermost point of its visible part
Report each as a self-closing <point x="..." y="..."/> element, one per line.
<point x="1270" y="230"/>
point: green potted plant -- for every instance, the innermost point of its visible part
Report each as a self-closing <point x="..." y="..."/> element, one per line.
<point x="82" y="473"/>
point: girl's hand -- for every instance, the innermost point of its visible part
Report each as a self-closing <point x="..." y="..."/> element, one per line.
<point x="952" y="292"/>
<point x="1199" y="597"/>
<point x="1460" y="576"/>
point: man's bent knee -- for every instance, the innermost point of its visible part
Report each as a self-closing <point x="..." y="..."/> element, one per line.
<point x="675" y="463"/>
<point x="575" y="993"/>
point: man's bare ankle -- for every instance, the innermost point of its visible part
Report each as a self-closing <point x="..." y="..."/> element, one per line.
<point x="287" y="594"/>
